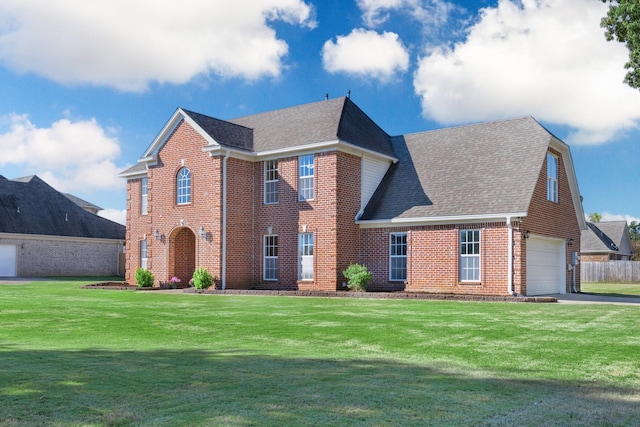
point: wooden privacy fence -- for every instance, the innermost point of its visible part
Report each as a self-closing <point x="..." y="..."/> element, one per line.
<point x="610" y="271"/>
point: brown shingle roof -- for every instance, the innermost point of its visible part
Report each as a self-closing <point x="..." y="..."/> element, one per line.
<point x="480" y="169"/>
<point x="313" y="123"/>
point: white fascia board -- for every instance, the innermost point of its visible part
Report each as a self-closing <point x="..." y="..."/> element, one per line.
<point x="133" y="175"/>
<point x="299" y="150"/>
<point x="564" y="148"/>
<point x="168" y="129"/>
<point x="439" y="220"/>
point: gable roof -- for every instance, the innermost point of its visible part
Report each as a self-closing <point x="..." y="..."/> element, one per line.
<point x="318" y="122"/>
<point x="336" y="122"/>
<point x="606" y="237"/>
<point x="484" y="170"/>
<point x="224" y="133"/>
<point x="30" y="206"/>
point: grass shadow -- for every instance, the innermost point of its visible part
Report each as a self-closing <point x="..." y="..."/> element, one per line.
<point x="120" y="388"/>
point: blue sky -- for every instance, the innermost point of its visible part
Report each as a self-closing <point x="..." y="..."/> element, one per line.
<point x="86" y="86"/>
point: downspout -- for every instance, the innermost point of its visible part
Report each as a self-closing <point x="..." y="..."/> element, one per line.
<point x="223" y="273"/>
<point x="510" y="257"/>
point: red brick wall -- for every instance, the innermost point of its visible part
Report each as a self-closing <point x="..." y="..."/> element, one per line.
<point x="550" y="219"/>
<point x="433" y="259"/>
<point x="240" y="224"/>
<point x="336" y="183"/>
<point x="166" y="256"/>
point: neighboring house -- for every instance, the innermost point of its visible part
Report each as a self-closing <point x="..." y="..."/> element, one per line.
<point x="44" y="233"/>
<point x="287" y="199"/>
<point x="87" y="206"/>
<point x="606" y="241"/>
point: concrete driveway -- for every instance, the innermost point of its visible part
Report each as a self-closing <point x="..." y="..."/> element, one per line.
<point x="580" y="298"/>
<point x="20" y="280"/>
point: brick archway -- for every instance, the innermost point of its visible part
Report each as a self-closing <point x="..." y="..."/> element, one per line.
<point x="182" y="253"/>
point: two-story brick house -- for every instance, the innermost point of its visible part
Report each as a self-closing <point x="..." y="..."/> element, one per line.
<point x="287" y="199"/>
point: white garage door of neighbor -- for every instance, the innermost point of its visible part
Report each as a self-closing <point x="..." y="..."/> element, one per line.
<point x="545" y="266"/>
<point x="7" y="261"/>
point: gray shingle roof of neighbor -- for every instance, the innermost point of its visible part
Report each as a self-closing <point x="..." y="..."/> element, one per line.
<point x="88" y="206"/>
<point x="606" y="236"/>
<point x="479" y="169"/>
<point x="324" y="121"/>
<point x="30" y="206"/>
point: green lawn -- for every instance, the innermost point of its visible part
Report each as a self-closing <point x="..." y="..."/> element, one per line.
<point x="70" y="356"/>
<point x="612" y="289"/>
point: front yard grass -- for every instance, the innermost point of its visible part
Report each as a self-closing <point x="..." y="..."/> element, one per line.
<point x="117" y="358"/>
<point x="612" y="289"/>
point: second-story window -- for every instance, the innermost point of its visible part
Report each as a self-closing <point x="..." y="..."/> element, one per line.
<point x="271" y="181"/>
<point x="305" y="177"/>
<point x="552" y="178"/>
<point x="144" y="190"/>
<point x="183" y="187"/>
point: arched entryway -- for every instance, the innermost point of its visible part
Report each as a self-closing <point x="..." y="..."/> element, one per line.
<point x="182" y="254"/>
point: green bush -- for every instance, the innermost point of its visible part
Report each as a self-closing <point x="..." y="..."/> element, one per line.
<point x="358" y="277"/>
<point x="144" y="278"/>
<point x="202" y="279"/>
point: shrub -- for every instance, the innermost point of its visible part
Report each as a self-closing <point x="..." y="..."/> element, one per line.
<point x="144" y="278"/>
<point x="202" y="279"/>
<point x="358" y="277"/>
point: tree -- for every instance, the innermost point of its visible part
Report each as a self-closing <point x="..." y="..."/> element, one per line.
<point x="595" y="217"/>
<point x="622" y="24"/>
<point x="634" y="233"/>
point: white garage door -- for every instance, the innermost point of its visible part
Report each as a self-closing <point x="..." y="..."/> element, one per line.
<point x="545" y="266"/>
<point x="7" y="261"/>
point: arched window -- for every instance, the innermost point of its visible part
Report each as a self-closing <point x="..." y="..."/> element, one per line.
<point x="183" y="187"/>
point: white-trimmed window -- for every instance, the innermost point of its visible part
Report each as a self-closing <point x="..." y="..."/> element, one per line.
<point x="143" y="254"/>
<point x="144" y="191"/>
<point x="305" y="177"/>
<point x="183" y="186"/>
<point x="552" y="178"/>
<point x="270" y="257"/>
<point x="305" y="256"/>
<point x="271" y="182"/>
<point x="398" y="256"/>
<point x="469" y="255"/>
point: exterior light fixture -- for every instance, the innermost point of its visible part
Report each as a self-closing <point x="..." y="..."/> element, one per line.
<point x="157" y="235"/>
<point x="526" y="234"/>
<point x="202" y="233"/>
<point x="570" y="242"/>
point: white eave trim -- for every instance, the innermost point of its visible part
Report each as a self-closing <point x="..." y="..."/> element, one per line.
<point x="565" y="150"/>
<point x="439" y="220"/>
<point x="133" y="175"/>
<point x="168" y="129"/>
<point x="297" y="150"/>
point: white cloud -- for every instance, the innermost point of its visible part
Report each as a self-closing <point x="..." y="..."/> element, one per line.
<point x="367" y="54"/>
<point x="546" y="58"/>
<point x="69" y="155"/>
<point x="608" y="216"/>
<point x="127" y="44"/>
<point x="115" y="215"/>
<point x="428" y="12"/>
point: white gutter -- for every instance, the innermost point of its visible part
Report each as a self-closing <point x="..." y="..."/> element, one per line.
<point x="510" y="256"/>
<point x="223" y="273"/>
<point x="437" y="220"/>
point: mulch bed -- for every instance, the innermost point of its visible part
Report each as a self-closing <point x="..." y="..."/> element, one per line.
<point x="327" y="294"/>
